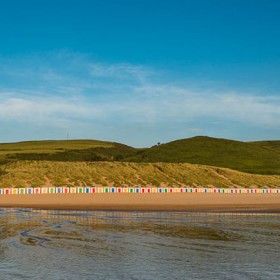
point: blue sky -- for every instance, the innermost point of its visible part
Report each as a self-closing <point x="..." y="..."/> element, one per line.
<point x="139" y="72"/>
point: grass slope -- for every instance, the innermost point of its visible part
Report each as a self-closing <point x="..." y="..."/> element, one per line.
<point x="254" y="157"/>
<point x="65" y="150"/>
<point x="46" y="173"/>
<point x="261" y="157"/>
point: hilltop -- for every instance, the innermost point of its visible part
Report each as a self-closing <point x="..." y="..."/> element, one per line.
<point x="65" y="150"/>
<point x="262" y="157"/>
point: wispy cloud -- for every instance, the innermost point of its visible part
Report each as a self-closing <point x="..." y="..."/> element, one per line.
<point x="68" y="89"/>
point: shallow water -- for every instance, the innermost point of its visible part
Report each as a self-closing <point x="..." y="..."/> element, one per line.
<point x="37" y="244"/>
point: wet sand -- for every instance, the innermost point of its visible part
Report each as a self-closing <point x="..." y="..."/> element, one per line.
<point x="155" y="202"/>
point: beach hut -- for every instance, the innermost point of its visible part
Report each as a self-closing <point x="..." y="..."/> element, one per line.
<point x="52" y="190"/>
<point x="1" y="191"/>
<point x="66" y="190"/>
<point x="113" y="190"/>
<point x="119" y="190"/>
<point x="14" y="191"/>
<point x="106" y="189"/>
<point x="137" y="190"/>
<point x="131" y="190"/>
<point x="59" y="190"/>
<point x="36" y="190"/>
<point x="125" y="190"/>
<point x="73" y="190"/>
<point x="44" y="190"/>
<point x="7" y="191"/>
<point x="93" y="190"/>
<point x="100" y="190"/>
<point x="87" y="190"/>
<point x="160" y="190"/>
<point x="29" y="191"/>
<point x="80" y="190"/>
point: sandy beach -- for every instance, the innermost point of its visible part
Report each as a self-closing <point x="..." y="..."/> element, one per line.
<point x="155" y="202"/>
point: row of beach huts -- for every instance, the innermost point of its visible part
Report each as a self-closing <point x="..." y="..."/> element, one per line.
<point x="136" y="190"/>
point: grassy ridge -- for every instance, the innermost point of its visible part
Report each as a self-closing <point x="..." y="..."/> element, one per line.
<point x="253" y="157"/>
<point x="46" y="173"/>
<point x="70" y="150"/>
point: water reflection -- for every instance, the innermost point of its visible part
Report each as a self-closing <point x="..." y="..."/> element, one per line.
<point x="138" y="245"/>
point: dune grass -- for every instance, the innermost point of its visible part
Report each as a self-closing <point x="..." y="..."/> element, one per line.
<point x="46" y="173"/>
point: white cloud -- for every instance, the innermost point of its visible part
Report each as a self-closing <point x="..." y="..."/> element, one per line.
<point x="128" y="94"/>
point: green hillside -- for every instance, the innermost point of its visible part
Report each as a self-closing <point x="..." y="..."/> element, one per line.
<point x="254" y="157"/>
<point x="261" y="157"/>
<point x="65" y="150"/>
<point x="46" y="173"/>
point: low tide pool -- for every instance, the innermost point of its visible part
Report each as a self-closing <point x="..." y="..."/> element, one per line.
<point x="40" y="244"/>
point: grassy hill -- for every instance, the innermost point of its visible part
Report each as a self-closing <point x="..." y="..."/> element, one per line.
<point x="261" y="157"/>
<point x="254" y="157"/>
<point x="62" y="150"/>
<point x="46" y="173"/>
